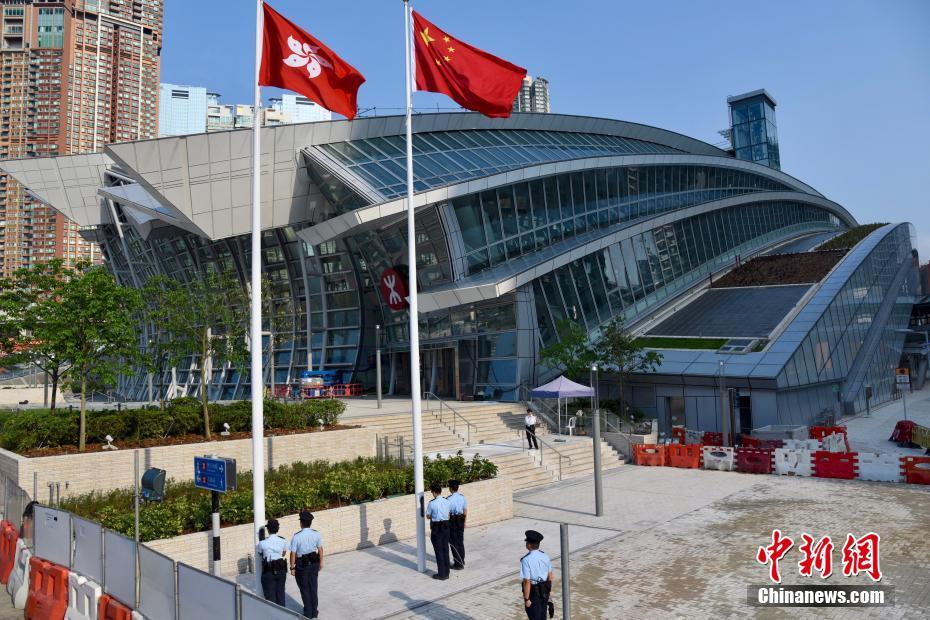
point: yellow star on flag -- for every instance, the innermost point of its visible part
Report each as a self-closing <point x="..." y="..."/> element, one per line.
<point x="452" y="50"/>
<point x="446" y="39"/>
<point x="447" y="58"/>
<point x="426" y="38"/>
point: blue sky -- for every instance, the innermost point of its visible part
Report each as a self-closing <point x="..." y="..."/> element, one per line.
<point x="851" y="77"/>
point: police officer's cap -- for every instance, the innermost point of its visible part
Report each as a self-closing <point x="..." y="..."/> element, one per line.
<point x="306" y="516"/>
<point x="532" y="536"/>
<point x="453" y="483"/>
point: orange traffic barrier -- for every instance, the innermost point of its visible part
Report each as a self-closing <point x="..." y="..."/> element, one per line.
<point x="686" y="456"/>
<point x="916" y="469"/>
<point x="649" y="454"/>
<point x="111" y="609"/>
<point x="819" y="432"/>
<point x="48" y="591"/>
<point x="8" y="537"/>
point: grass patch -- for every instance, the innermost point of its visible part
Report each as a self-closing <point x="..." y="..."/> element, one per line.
<point x="850" y="238"/>
<point x="660" y="342"/>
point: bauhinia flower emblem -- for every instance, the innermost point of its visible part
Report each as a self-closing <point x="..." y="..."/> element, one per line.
<point x="306" y="55"/>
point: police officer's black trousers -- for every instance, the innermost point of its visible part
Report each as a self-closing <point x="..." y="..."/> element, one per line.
<point x="531" y="437"/>
<point x="439" y="536"/>
<point x="538" y="607"/>
<point x="457" y="539"/>
<point x="307" y="584"/>
<point x="273" y="586"/>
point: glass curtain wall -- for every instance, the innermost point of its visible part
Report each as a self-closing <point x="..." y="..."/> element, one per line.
<point x="444" y="157"/>
<point x="829" y="350"/>
<point x="630" y="277"/>
<point x="501" y="224"/>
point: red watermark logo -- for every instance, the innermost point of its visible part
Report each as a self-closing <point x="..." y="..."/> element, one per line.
<point x="860" y="555"/>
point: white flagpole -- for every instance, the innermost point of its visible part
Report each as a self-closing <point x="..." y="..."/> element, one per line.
<point x="414" y="315"/>
<point x="255" y="337"/>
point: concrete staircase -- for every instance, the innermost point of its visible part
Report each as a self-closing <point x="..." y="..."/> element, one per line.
<point x="497" y="434"/>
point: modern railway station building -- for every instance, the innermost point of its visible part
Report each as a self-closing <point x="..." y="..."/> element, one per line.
<point x="521" y="223"/>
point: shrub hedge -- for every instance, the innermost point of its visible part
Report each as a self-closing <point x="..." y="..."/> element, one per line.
<point x="288" y="489"/>
<point x="41" y="428"/>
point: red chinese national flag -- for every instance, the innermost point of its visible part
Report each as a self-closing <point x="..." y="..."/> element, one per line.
<point x="473" y="78"/>
<point x="294" y="60"/>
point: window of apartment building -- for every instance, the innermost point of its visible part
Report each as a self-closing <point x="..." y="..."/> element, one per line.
<point x="51" y="27"/>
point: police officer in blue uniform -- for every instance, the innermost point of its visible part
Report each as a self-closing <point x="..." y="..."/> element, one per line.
<point x="307" y="562"/>
<point x="458" y="512"/>
<point x="536" y="576"/>
<point x="437" y="511"/>
<point x="273" y="550"/>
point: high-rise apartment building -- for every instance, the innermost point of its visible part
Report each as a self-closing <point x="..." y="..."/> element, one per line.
<point x="76" y="75"/>
<point x="533" y="96"/>
<point x="182" y="110"/>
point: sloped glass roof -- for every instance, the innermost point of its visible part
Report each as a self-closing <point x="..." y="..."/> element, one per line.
<point x="444" y="157"/>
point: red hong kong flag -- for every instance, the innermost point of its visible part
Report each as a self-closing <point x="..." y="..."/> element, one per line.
<point x="294" y="60"/>
<point x="473" y="78"/>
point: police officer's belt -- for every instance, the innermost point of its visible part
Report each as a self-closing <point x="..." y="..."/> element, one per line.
<point x="457" y="518"/>
<point x="275" y="567"/>
<point x="541" y="590"/>
<point x="438" y="525"/>
<point x="306" y="560"/>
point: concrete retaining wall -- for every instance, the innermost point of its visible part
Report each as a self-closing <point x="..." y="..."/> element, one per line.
<point x="343" y="529"/>
<point x="106" y="470"/>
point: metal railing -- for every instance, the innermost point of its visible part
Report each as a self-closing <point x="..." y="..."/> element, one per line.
<point x="443" y="405"/>
<point x="545" y="443"/>
<point x="394" y="449"/>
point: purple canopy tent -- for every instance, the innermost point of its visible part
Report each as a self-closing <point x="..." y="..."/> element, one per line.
<point x="562" y="388"/>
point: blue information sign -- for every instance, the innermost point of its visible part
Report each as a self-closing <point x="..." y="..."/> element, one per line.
<point x="215" y="473"/>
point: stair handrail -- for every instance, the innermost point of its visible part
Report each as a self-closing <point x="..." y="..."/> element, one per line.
<point x="548" y="445"/>
<point x="455" y="415"/>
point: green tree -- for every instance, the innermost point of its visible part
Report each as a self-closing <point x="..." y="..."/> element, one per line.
<point x="278" y="314"/>
<point x="617" y="351"/>
<point x="29" y="308"/>
<point x="97" y="317"/>
<point x="166" y="311"/>
<point x="574" y="351"/>
<point x="215" y="326"/>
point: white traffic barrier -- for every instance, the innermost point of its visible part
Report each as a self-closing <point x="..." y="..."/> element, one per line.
<point x="18" y="584"/>
<point x="802" y="444"/>
<point x="83" y="598"/>
<point x="137" y="616"/>
<point x="881" y="467"/>
<point x="718" y="457"/>
<point x="834" y="443"/>
<point x="793" y="462"/>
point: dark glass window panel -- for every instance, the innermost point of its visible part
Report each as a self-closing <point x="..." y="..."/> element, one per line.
<point x="524" y="211"/>
<point x="508" y="213"/>
<point x="498" y="345"/>
<point x="497" y="372"/>
<point x="472" y="226"/>
<point x="492" y="217"/>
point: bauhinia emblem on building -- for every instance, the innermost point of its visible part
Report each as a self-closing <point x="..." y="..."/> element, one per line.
<point x="306" y="55"/>
<point x="394" y="289"/>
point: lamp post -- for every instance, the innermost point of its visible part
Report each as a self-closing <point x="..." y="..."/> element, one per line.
<point x="724" y="406"/>
<point x="378" y="363"/>
<point x="596" y="425"/>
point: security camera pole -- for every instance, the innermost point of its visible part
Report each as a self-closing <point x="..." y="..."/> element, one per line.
<point x="596" y="424"/>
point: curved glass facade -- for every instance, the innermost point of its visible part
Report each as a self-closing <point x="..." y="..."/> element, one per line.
<point x="830" y="351"/>
<point x="634" y="275"/>
<point x="444" y="157"/>
<point x="501" y="224"/>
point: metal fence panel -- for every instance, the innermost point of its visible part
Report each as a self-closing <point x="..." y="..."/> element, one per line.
<point x="158" y="588"/>
<point x="88" y="549"/>
<point x="201" y="595"/>
<point x="119" y="567"/>
<point x="13" y="503"/>
<point x="255" y="608"/>
<point x="53" y="535"/>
